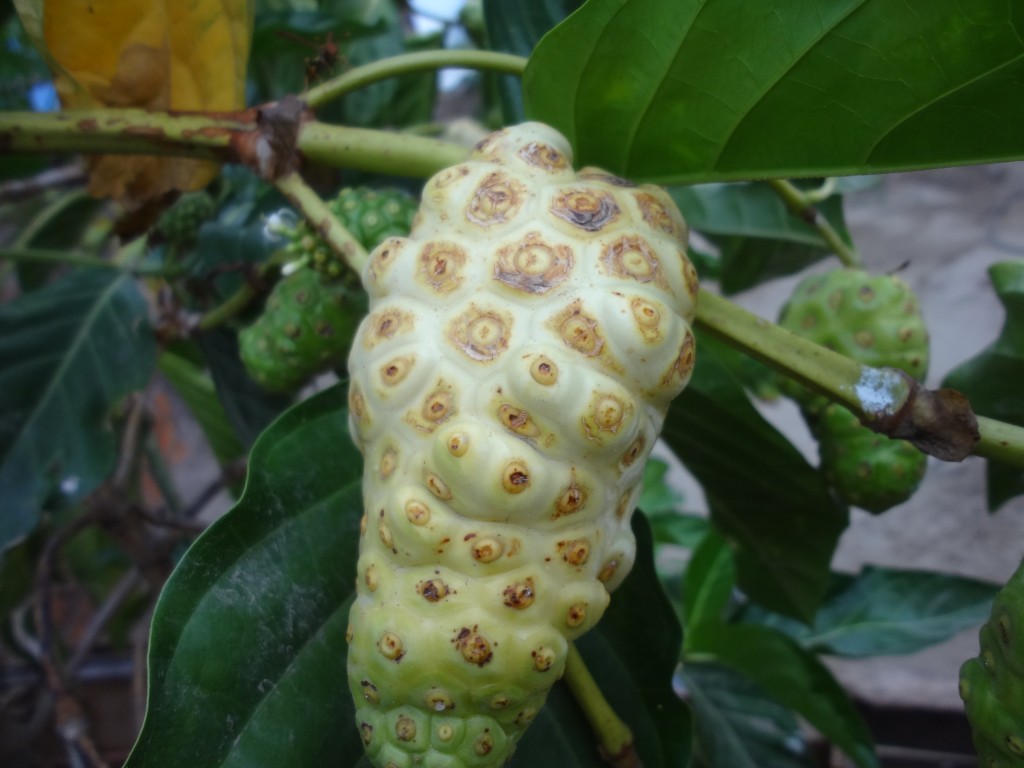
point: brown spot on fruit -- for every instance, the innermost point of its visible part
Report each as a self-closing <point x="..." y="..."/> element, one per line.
<point x="533" y="265"/>
<point x="543" y="156"/>
<point x="417" y="512"/>
<point x="487" y="549"/>
<point x="458" y="444"/>
<point x="496" y="200"/>
<point x="500" y="701"/>
<point x="864" y="339"/>
<point x="634" y="452"/>
<point x="544" y="371"/>
<point x="633" y="258"/>
<point x="362" y="524"/>
<point x="370" y="692"/>
<point x="438" y="487"/>
<point x="575" y="551"/>
<point x="648" y="318"/>
<point x="572" y="500"/>
<point x="388" y="462"/>
<point x="515" y="478"/>
<point x="576" y="615"/>
<point x="579" y="330"/>
<point x="439" y="701"/>
<point x="484" y="743"/>
<point x="441" y="266"/>
<point x="366" y="733"/>
<point x="394" y="372"/>
<point x="588" y="209"/>
<point x="481" y="335"/>
<point x="518" y="420"/>
<point x="656" y="215"/>
<point x="519" y="595"/>
<point x="391" y="647"/>
<point x="608" y="571"/>
<point x="386" y="537"/>
<point x="438" y="406"/>
<point x="386" y="325"/>
<point x="372" y="578"/>
<point x="683" y="365"/>
<point x="543" y="659"/>
<point x="433" y="590"/>
<point x="474" y="647"/>
<point x="405" y="728"/>
<point x="526" y="716"/>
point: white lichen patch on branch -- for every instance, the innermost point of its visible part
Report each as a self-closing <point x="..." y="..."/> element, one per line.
<point x="880" y="391"/>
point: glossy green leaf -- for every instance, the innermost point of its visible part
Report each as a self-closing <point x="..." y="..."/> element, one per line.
<point x="792" y="676"/>
<point x="247" y="652"/>
<point x="736" y="725"/>
<point x="708" y="582"/>
<point x="772" y="506"/>
<point x="68" y="352"/>
<point x="758" y="236"/>
<point x="992" y="378"/>
<point x="684" y="91"/>
<point x="887" y="611"/>
<point x="247" y="655"/>
<point x="196" y="389"/>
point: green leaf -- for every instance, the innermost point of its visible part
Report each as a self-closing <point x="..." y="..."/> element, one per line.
<point x="195" y="387"/>
<point x="736" y="725"/>
<point x="758" y="236"/>
<point x="517" y="28"/>
<point x="708" y="582"/>
<point x="68" y="352"/>
<point x="791" y="675"/>
<point x="887" y="611"/>
<point x="772" y="506"/>
<point x="658" y="497"/>
<point x="684" y="91"/>
<point x="992" y="378"/>
<point x="247" y="653"/>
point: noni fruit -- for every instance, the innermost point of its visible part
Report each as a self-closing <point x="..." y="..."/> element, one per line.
<point x="876" y="321"/>
<point x="306" y="328"/>
<point x="507" y="386"/>
<point x="868" y="470"/>
<point x="370" y="215"/>
<point x="180" y="223"/>
<point x="992" y="684"/>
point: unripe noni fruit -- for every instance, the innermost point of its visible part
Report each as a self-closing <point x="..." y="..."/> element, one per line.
<point x="876" y="321"/>
<point x="992" y="684"/>
<point x="507" y="386"/>
<point x="306" y="328"/>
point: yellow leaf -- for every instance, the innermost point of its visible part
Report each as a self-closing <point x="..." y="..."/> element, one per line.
<point x="186" y="55"/>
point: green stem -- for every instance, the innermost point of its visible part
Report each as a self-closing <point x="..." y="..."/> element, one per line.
<point x="800" y="204"/>
<point x="40" y="255"/>
<point x="835" y="376"/>
<point x="122" y="131"/>
<point x="614" y="737"/>
<point x="1001" y="441"/>
<point x="409" y="63"/>
<point x="42" y="219"/>
<point x="236" y="303"/>
<point x="363" y="149"/>
<point x="320" y="217"/>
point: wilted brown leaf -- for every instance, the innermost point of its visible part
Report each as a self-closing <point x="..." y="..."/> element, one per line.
<point x="150" y="54"/>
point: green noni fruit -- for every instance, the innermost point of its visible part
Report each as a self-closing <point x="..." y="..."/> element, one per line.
<point x="878" y="322"/>
<point x="306" y="328"/>
<point x="868" y="470"/>
<point x="371" y="216"/>
<point x="992" y="684"/>
<point x="507" y="386"/>
<point x="180" y="223"/>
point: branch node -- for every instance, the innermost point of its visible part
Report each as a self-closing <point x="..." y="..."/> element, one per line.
<point x="272" y="149"/>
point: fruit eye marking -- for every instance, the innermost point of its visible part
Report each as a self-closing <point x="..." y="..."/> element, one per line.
<point x="391" y="647"/>
<point x="588" y="209"/>
<point x="441" y="266"/>
<point x="543" y="156"/>
<point x="515" y="478"/>
<point x="533" y="265"/>
<point x="497" y="200"/>
<point x="474" y="647"/>
<point x="633" y="258"/>
<point x="481" y="335"/>
<point x="519" y="595"/>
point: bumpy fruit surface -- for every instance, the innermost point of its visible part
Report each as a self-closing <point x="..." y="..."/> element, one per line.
<point x="522" y="347"/>
<point x="306" y="327"/>
<point x="869" y="470"/>
<point x="992" y="684"/>
<point x="876" y="321"/>
<point x="180" y="223"/>
<point x="371" y="216"/>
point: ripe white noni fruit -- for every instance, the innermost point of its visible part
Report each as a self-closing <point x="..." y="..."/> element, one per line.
<point x="507" y="386"/>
